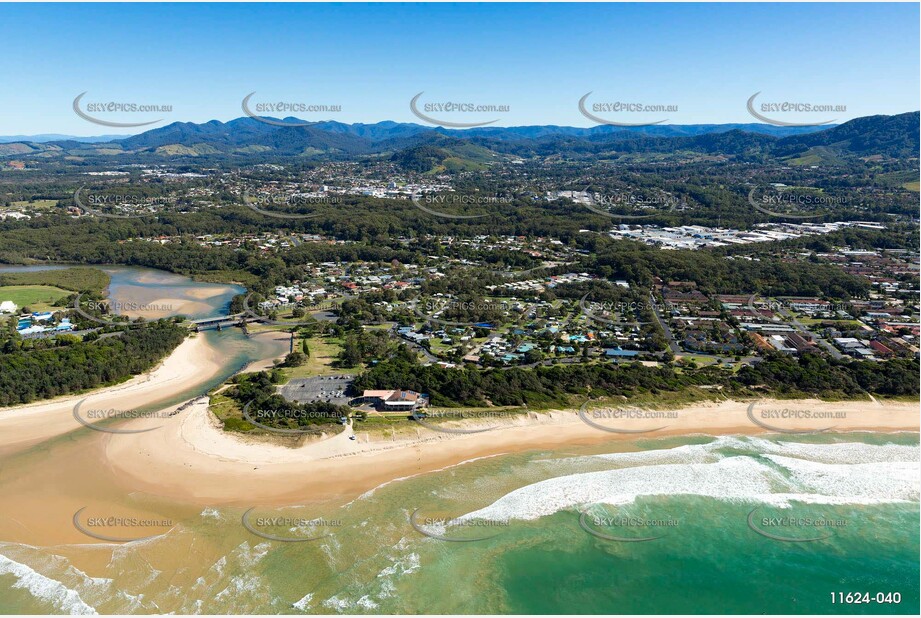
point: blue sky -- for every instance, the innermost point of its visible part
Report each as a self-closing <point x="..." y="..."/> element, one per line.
<point x="538" y="59"/>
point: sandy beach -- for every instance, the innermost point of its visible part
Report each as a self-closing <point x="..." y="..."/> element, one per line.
<point x="191" y="302"/>
<point x="191" y="363"/>
<point x="197" y="462"/>
<point x="281" y="339"/>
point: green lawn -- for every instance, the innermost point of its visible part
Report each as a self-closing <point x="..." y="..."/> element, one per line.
<point x="323" y="351"/>
<point x="37" y="204"/>
<point x="440" y="349"/>
<point x="78" y="278"/>
<point x="36" y="297"/>
<point x="700" y="359"/>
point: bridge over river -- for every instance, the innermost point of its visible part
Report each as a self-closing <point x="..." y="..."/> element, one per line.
<point x="221" y="321"/>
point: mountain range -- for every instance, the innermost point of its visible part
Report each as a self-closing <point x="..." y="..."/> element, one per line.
<point x="416" y="146"/>
<point x="57" y="137"/>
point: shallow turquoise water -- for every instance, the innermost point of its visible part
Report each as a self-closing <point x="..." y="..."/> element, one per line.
<point x="707" y="559"/>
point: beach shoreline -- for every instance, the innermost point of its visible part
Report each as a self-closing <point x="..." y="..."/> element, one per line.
<point x="192" y="362"/>
<point x="201" y="464"/>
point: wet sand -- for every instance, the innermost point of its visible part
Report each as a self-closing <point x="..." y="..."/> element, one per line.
<point x="189" y="463"/>
<point x="200" y="463"/>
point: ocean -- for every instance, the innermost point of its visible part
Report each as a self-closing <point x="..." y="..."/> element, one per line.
<point x="770" y="524"/>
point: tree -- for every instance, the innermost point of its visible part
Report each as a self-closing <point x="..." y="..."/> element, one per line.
<point x="534" y="355"/>
<point x="350" y="356"/>
<point x="294" y="359"/>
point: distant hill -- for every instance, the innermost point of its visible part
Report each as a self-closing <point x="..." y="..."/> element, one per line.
<point x="604" y="132"/>
<point x="890" y="136"/>
<point x="443" y="154"/>
<point x="220" y="135"/>
<point x="419" y="147"/>
<point x="55" y="137"/>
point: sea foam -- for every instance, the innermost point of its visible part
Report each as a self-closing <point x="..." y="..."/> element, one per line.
<point x="768" y="472"/>
<point x="45" y="588"/>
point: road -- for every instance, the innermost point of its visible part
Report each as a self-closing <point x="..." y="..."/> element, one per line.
<point x="429" y="357"/>
<point x="801" y="328"/>
<point x="669" y="336"/>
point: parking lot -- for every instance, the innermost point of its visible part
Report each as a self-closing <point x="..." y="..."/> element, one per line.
<point x="319" y="388"/>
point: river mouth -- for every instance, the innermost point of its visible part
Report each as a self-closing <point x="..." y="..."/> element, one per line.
<point x="141" y="292"/>
<point x="68" y="463"/>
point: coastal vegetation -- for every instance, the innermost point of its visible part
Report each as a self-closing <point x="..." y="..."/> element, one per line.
<point x="562" y="385"/>
<point x="77" y="279"/>
<point x="43" y="369"/>
<point x="256" y="393"/>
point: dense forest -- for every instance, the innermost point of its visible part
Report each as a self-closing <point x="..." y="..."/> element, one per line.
<point x="77" y="279"/>
<point x="561" y="384"/>
<point x="73" y="366"/>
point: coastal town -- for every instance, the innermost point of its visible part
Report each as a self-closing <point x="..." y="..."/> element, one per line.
<point x="460" y="309"/>
<point x="538" y="319"/>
